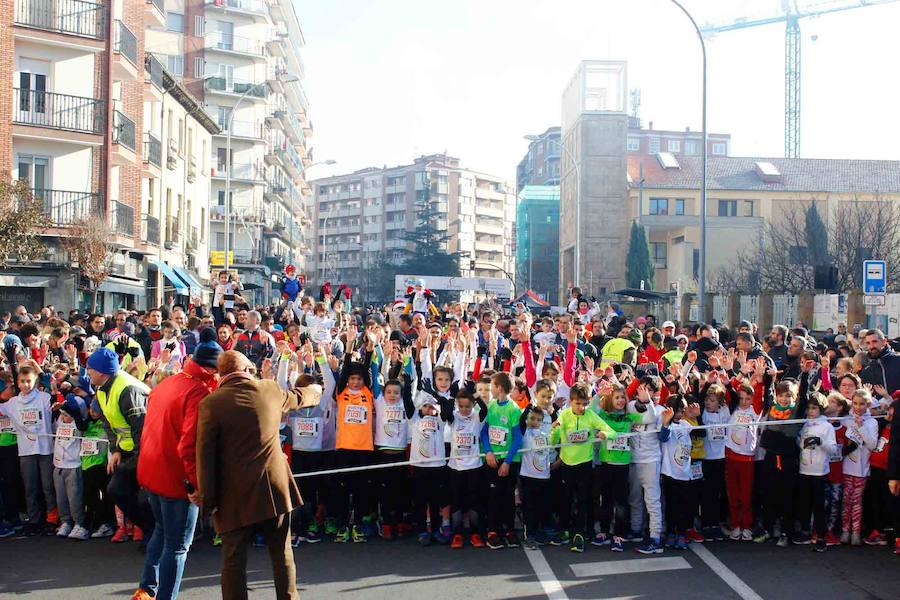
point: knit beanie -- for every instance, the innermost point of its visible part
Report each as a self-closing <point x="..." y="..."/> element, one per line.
<point x="207" y="352"/>
<point x="104" y="360"/>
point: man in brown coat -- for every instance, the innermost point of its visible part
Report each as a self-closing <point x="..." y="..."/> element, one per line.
<point x="244" y="479"/>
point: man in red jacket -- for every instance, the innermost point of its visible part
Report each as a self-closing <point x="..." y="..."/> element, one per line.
<point x="167" y="468"/>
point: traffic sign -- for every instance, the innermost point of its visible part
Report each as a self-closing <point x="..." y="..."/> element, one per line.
<point x="874" y="276"/>
<point x="874" y="300"/>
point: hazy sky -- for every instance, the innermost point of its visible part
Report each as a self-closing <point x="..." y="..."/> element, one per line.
<point x="392" y="79"/>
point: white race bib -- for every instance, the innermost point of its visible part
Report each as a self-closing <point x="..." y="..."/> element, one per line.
<point x="89" y="447"/>
<point x="882" y="442"/>
<point x="463" y="439"/>
<point x="497" y="435"/>
<point x="65" y="431"/>
<point x="356" y="414"/>
<point x="30" y="416"/>
<point x="836" y="454"/>
<point x="618" y="444"/>
<point x="393" y="415"/>
<point x="578" y="437"/>
<point x="682" y="455"/>
<point x="306" y="427"/>
<point x="717" y="434"/>
<point x="6" y="425"/>
<point x="696" y="470"/>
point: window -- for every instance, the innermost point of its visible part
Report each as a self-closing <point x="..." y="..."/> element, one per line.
<point x="719" y="149"/>
<point x="654" y="145"/>
<point x="198" y="67"/>
<point x="175" y="64"/>
<point x="175" y="22"/>
<point x="202" y="223"/>
<point x="634" y="144"/>
<point x="727" y="208"/>
<point x="658" y="254"/>
<point x="679" y="206"/>
<point x="674" y="145"/>
<point x="659" y="206"/>
<point x="198" y="26"/>
<point x="748" y="208"/>
<point x="696" y="264"/>
<point x="691" y="148"/>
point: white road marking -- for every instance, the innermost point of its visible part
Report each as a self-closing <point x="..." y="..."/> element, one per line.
<point x="636" y="565"/>
<point x="725" y="574"/>
<point x="551" y="585"/>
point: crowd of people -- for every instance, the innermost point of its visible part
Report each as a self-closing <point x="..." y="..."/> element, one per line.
<point x="456" y="425"/>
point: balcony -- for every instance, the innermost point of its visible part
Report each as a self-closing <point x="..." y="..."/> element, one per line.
<point x="155" y="13"/>
<point x="192" y="170"/>
<point x="221" y="85"/>
<point x="58" y="111"/>
<point x="246" y="172"/>
<point x="299" y="96"/>
<point x="62" y="207"/>
<point x="173" y="232"/>
<point x="292" y="126"/>
<point x="232" y="44"/>
<point x="150" y="230"/>
<point x="123" y="138"/>
<point x="252" y="8"/>
<point x="121" y="218"/>
<point x="292" y="162"/>
<point x="70" y="17"/>
<point x="153" y="78"/>
<point x="152" y="155"/>
<point x="124" y="64"/>
<point x="243" y="129"/>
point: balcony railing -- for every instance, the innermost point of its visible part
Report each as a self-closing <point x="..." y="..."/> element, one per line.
<point x="290" y="119"/>
<point x="288" y="151"/>
<point x="233" y="43"/>
<point x="173" y="230"/>
<point x="153" y="70"/>
<point x="77" y="17"/>
<point x="58" y="111"/>
<point x="152" y="150"/>
<point x="240" y="171"/>
<point x="255" y="6"/>
<point x="250" y="129"/>
<point x="159" y="4"/>
<point x="126" y="42"/>
<point x="121" y="218"/>
<point x="123" y="130"/>
<point x="150" y="227"/>
<point x="62" y="207"/>
<point x="220" y="84"/>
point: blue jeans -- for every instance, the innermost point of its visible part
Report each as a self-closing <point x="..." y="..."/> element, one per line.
<point x="168" y="546"/>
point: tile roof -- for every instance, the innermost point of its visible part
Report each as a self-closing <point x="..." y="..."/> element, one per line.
<point x="797" y="174"/>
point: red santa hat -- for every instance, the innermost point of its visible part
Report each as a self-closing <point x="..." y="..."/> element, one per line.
<point x="290" y="269"/>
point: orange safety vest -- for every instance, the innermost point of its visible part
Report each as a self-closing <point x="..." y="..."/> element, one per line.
<point x="354" y="420"/>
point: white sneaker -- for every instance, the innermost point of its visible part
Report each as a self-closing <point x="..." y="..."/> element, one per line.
<point x="64" y="530"/>
<point x="735" y="534"/>
<point x="747" y="535"/>
<point x="103" y="531"/>
<point x="79" y="533"/>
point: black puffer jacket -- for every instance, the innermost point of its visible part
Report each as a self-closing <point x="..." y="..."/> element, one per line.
<point x="884" y="370"/>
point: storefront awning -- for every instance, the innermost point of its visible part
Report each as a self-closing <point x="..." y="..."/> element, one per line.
<point x="24" y="281"/>
<point x="196" y="286"/>
<point x="180" y="286"/>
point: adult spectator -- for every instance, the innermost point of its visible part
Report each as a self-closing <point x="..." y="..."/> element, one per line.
<point x="96" y="326"/>
<point x="778" y="351"/>
<point x="16" y="322"/>
<point x="598" y="332"/>
<point x="167" y="468"/>
<point x="884" y="364"/>
<point x="121" y="401"/>
<point x="190" y="336"/>
<point x="745" y="342"/>
<point x="244" y="479"/>
<point x="790" y="368"/>
<point x="253" y="342"/>
<point x="621" y="349"/>
<point x="668" y="329"/>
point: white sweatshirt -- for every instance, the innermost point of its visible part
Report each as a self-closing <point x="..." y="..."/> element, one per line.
<point x="714" y="442"/>
<point x="814" y="461"/>
<point x="866" y="437"/>
<point x="742" y="435"/>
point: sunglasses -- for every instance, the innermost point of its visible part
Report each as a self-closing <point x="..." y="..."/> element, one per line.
<point x="489" y="321"/>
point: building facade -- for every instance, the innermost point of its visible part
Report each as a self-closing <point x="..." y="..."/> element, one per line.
<point x="540" y="165"/>
<point x="242" y="59"/>
<point x="362" y="219"/>
<point x="650" y="141"/>
<point x="537" y="240"/>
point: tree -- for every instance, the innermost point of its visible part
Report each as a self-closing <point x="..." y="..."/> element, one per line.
<point x="22" y="220"/>
<point x="638" y="264"/>
<point x="429" y="255"/>
<point x="88" y="244"/>
<point x="816" y="237"/>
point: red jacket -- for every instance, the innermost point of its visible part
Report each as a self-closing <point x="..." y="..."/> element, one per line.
<point x="168" y="442"/>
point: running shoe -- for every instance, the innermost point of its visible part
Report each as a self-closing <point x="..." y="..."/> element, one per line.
<point x="457" y="542"/>
<point x="681" y="542"/>
<point x="494" y="541"/>
<point x="831" y="539"/>
<point x="782" y="541"/>
<point x="617" y="544"/>
<point x="651" y="546"/>
<point x="560" y="538"/>
<point x="577" y="543"/>
<point x="600" y="540"/>
<point x="64" y="530"/>
<point x="801" y="539"/>
<point x="512" y="540"/>
<point x="357" y="535"/>
<point x="531" y="543"/>
<point x="820" y="545"/>
<point x="331" y="527"/>
<point x="876" y="539"/>
<point x="105" y="530"/>
<point x="424" y="538"/>
<point x="694" y="536"/>
<point x="342" y="536"/>
<point x="387" y="532"/>
<point x="121" y="535"/>
<point x="476" y="541"/>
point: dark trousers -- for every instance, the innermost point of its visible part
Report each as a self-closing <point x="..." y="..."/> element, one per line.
<point x="811" y="499"/>
<point x="578" y="479"/>
<point x="354" y="484"/>
<point x="12" y="493"/>
<point x="679" y="504"/>
<point x="465" y="497"/>
<point x="502" y="498"/>
<point x="97" y="503"/>
<point x="125" y="493"/>
<point x="779" y="477"/>
<point x="431" y="495"/>
<point x="310" y="487"/>
<point x="390" y="484"/>
<point x="713" y="492"/>
<point x="611" y="486"/>
<point x="277" y="534"/>
<point x="876" y="501"/>
<point x="535" y="504"/>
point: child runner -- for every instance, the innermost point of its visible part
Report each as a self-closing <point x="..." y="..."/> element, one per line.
<point x="534" y="476"/>
<point x="817" y="444"/>
<point x="676" y="469"/>
<point x="465" y="425"/>
<point x="862" y="439"/>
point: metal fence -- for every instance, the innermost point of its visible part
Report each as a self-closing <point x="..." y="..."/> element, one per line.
<point x="123" y="130"/>
<point x="62" y="206"/>
<point x="121" y="218"/>
<point x="152" y="150"/>
<point x="59" y="111"/>
<point x="76" y="17"/>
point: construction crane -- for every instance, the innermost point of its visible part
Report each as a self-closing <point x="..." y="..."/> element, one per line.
<point x="791" y="18"/>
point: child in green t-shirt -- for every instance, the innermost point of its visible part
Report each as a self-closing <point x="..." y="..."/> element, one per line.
<point x="99" y="512"/>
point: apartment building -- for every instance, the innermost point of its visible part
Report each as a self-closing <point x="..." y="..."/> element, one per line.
<point x="242" y="59"/>
<point x="540" y="165"/>
<point x="537" y="240"/>
<point x="363" y="218"/>
<point x="649" y="141"/>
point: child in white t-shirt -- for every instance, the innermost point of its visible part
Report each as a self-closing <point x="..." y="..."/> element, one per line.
<point x="817" y="444"/>
<point x="676" y="470"/>
<point x="30" y="414"/>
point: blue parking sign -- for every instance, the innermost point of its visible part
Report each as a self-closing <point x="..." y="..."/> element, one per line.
<point x="874" y="276"/>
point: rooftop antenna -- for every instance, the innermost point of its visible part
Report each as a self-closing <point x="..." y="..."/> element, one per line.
<point x="635" y="103"/>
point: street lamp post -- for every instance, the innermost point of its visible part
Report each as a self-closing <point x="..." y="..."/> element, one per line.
<point x="325" y="221"/>
<point x="537" y="138"/>
<point x="702" y="290"/>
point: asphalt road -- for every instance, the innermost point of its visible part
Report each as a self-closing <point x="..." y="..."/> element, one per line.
<point x="39" y="568"/>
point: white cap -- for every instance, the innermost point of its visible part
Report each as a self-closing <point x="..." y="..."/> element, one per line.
<point x="668" y="324"/>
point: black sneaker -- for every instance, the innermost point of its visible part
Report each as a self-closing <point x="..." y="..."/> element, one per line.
<point x="512" y="540"/>
<point x="801" y="539"/>
<point x="821" y="545"/>
<point x="31" y="530"/>
<point x="494" y="541"/>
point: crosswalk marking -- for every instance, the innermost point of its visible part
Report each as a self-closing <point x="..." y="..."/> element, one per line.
<point x="636" y="565"/>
